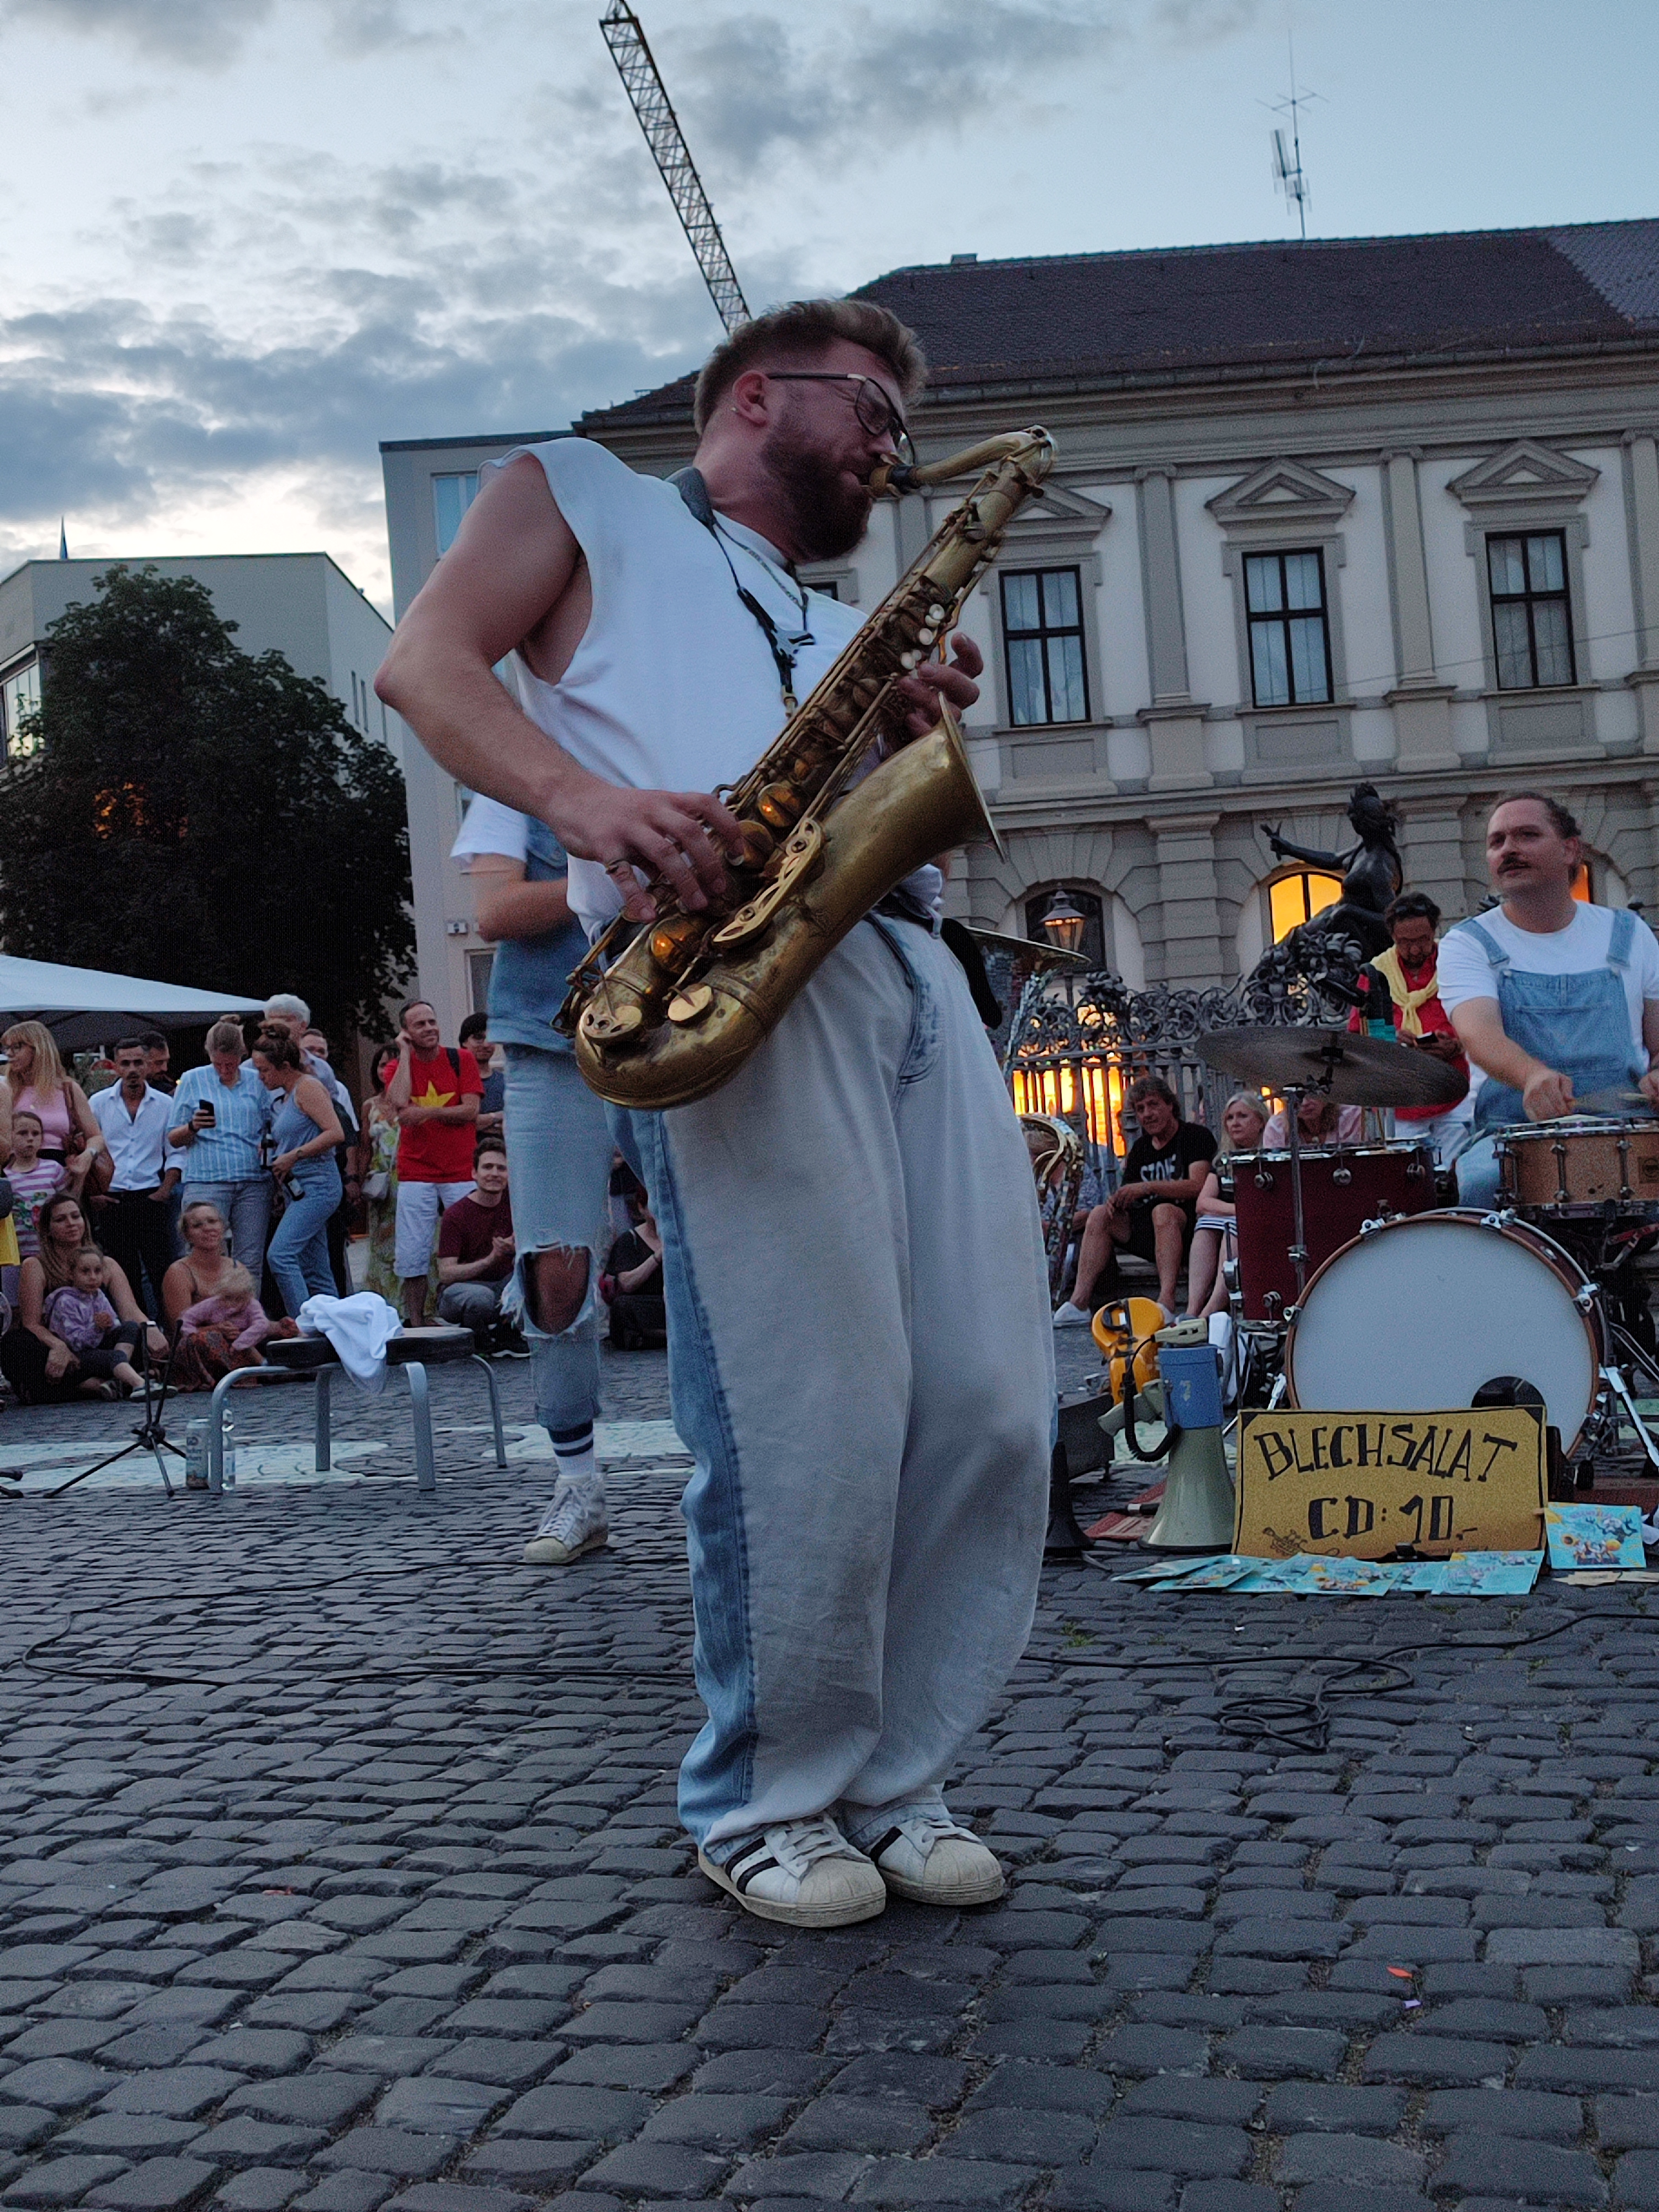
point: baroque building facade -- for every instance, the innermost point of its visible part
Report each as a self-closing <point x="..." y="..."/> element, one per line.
<point x="1384" y="509"/>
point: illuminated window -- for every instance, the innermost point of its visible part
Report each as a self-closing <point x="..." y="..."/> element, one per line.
<point x="1295" y="898"/>
<point x="1581" y="883"/>
<point x="450" y="498"/>
<point x="20" y="696"/>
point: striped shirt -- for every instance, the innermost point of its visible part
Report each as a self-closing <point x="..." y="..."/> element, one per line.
<point x="229" y="1152"/>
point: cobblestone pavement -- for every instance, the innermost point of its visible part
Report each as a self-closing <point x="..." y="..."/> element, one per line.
<point x="387" y="1903"/>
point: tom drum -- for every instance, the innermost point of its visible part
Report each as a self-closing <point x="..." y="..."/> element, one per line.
<point x="1342" y="1189"/>
<point x="1581" y="1165"/>
<point x="1417" y="1315"/>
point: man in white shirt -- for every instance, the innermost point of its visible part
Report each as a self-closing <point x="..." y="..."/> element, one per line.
<point x="860" y="1342"/>
<point x="131" y="1219"/>
<point x="1553" y="999"/>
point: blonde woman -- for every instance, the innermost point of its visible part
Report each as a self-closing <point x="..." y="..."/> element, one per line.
<point x="1244" y="1118"/>
<point x="35" y="1078"/>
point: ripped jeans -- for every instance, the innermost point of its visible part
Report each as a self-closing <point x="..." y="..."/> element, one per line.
<point x="559" y="1147"/>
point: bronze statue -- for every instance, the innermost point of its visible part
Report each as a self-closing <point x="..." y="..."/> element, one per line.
<point x="1370" y="872"/>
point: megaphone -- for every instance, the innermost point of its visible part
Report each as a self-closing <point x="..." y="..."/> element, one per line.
<point x="1197" y="1511"/>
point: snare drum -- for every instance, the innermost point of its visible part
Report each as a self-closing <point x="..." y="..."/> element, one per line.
<point x="1581" y="1164"/>
<point x="1416" y="1315"/>
<point x="1342" y="1188"/>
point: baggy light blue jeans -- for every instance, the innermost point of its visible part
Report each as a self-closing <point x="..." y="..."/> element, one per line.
<point x="862" y="1365"/>
<point x="246" y="1209"/>
<point x="558" y="1148"/>
<point x="299" y="1251"/>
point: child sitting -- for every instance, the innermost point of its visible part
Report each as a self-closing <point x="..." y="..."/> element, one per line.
<point x="234" y="1306"/>
<point x="33" y="1180"/>
<point x="81" y="1316"/>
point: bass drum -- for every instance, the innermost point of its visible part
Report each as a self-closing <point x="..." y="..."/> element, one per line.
<point x="1417" y="1315"/>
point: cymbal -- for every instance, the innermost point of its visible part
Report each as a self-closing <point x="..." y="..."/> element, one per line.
<point x="1026" y="949"/>
<point x="1353" y="1070"/>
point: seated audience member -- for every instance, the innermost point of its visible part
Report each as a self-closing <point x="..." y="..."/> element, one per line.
<point x="1244" y="1118"/>
<point x="234" y="1307"/>
<point x="475" y="1253"/>
<point x="632" y="1287"/>
<point x="40" y="1366"/>
<point x="1151" y="1213"/>
<point x="220" y="1116"/>
<point x="492" y="1106"/>
<point x="79" y="1315"/>
<point x="33" y="1180"/>
<point x="1319" y="1121"/>
<point x="206" y="1352"/>
<point x="1402" y="987"/>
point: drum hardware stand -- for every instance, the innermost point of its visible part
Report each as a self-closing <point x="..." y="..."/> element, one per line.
<point x="1614" y="1379"/>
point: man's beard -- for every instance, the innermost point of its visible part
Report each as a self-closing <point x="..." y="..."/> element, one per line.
<point x="827" y="518"/>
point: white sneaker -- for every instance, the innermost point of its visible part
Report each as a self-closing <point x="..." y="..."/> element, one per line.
<point x="574" y="1522"/>
<point x="802" y="1872"/>
<point x="925" y="1856"/>
<point x="1070" y="1316"/>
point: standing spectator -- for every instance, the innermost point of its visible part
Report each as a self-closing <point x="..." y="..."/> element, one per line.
<point x="133" y="1215"/>
<point x="35" y="1078"/>
<point x="475" y="1253"/>
<point x="305" y="1130"/>
<point x="156" y="1072"/>
<point x="435" y="1090"/>
<point x="220" y="1116"/>
<point x="475" y="1036"/>
<point x="287" y="1012"/>
<point x="378" y="1167"/>
<point x="33" y="1179"/>
<point x="40" y="1367"/>
<point x="315" y="1045"/>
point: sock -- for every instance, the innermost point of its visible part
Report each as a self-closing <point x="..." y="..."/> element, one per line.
<point x="573" y="1457"/>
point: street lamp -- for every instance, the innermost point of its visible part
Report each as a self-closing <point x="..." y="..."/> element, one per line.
<point x="1065" y="922"/>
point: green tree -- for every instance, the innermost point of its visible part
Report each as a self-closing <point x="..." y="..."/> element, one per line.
<point x="201" y="815"/>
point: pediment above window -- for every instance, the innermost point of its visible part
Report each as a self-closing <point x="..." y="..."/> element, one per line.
<point x="1524" y="474"/>
<point x="1282" y="491"/>
<point x="1058" y="512"/>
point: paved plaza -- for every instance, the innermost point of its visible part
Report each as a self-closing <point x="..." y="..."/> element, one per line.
<point x="340" y="1869"/>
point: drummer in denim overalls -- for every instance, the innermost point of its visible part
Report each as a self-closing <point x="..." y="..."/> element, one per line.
<point x="1553" y="999"/>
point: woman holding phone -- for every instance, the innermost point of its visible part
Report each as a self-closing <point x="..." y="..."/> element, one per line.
<point x="221" y="1114"/>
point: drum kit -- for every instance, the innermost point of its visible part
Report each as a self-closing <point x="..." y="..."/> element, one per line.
<point x="1359" y="1285"/>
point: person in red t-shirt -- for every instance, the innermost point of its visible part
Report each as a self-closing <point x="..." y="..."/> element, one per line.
<point x="1403" y="988"/>
<point x="475" y="1253"/>
<point x="434" y="1094"/>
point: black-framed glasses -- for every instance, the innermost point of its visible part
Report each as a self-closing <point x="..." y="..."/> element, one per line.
<point x="875" y="411"/>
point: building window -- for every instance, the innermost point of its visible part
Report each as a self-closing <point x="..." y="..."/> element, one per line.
<point x="1042" y="628"/>
<point x="1531" y="619"/>
<point x="1297" y="897"/>
<point x="478" y="965"/>
<point x="20" y="696"/>
<point x="450" y="498"/>
<point x="1290" y="628"/>
<point x="1088" y="903"/>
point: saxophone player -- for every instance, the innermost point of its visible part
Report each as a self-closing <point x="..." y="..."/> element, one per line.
<point x="867" y="1512"/>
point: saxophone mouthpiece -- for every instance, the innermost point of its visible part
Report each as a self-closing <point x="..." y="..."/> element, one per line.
<point x="891" y="479"/>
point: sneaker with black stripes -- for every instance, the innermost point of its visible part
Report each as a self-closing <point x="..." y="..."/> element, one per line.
<point x="803" y="1873"/>
<point x="923" y="1855"/>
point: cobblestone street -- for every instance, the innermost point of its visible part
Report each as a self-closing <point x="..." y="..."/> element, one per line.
<point x="376" y="1895"/>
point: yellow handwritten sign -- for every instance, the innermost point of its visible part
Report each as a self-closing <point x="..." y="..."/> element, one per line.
<point x="1358" y="1484"/>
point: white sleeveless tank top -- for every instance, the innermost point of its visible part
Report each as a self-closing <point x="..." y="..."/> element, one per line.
<point x="673" y="686"/>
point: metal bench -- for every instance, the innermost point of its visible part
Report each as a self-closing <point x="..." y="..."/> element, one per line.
<point x="312" y="1358"/>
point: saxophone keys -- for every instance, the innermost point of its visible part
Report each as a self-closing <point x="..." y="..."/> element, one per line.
<point x="936" y="613"/>
<point x="688" y="1006"/>
<point x="909" y="659"/>
<point x="925" y="636"/>
<point x="600" y="1025"/>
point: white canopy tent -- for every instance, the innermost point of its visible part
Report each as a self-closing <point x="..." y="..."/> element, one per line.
<point x="84" y="1006"/>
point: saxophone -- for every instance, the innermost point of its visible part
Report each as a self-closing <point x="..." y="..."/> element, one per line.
<point x="666" y="1016"/>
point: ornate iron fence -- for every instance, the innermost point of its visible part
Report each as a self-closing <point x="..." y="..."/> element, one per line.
<point x="1074" y="1043"/>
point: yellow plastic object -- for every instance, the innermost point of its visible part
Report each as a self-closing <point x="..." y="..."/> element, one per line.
<point x="1116" y="1327"/>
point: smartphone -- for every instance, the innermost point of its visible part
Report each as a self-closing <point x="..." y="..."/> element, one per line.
<point x="211" y="1111"/>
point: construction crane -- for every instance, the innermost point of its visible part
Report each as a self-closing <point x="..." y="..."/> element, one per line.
<point x="643" y="82"/>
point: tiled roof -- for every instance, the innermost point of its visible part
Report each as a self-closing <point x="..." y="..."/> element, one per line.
<point x="1209" y="308"/>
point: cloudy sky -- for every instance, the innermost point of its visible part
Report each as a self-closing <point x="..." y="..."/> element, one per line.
<point x="245" y="240"/>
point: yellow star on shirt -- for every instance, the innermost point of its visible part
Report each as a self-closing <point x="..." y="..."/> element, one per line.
<point x="432" y="1096"/>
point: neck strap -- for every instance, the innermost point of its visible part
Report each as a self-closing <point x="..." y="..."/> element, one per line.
<point x="695" y="492"/>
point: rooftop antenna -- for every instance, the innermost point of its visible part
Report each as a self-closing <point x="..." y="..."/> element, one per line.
<point x="1288" y="173"/>
<point x="643" y="82"/>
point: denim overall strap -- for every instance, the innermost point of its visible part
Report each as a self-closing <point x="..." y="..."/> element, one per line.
<point x="1578" y="1024"/>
